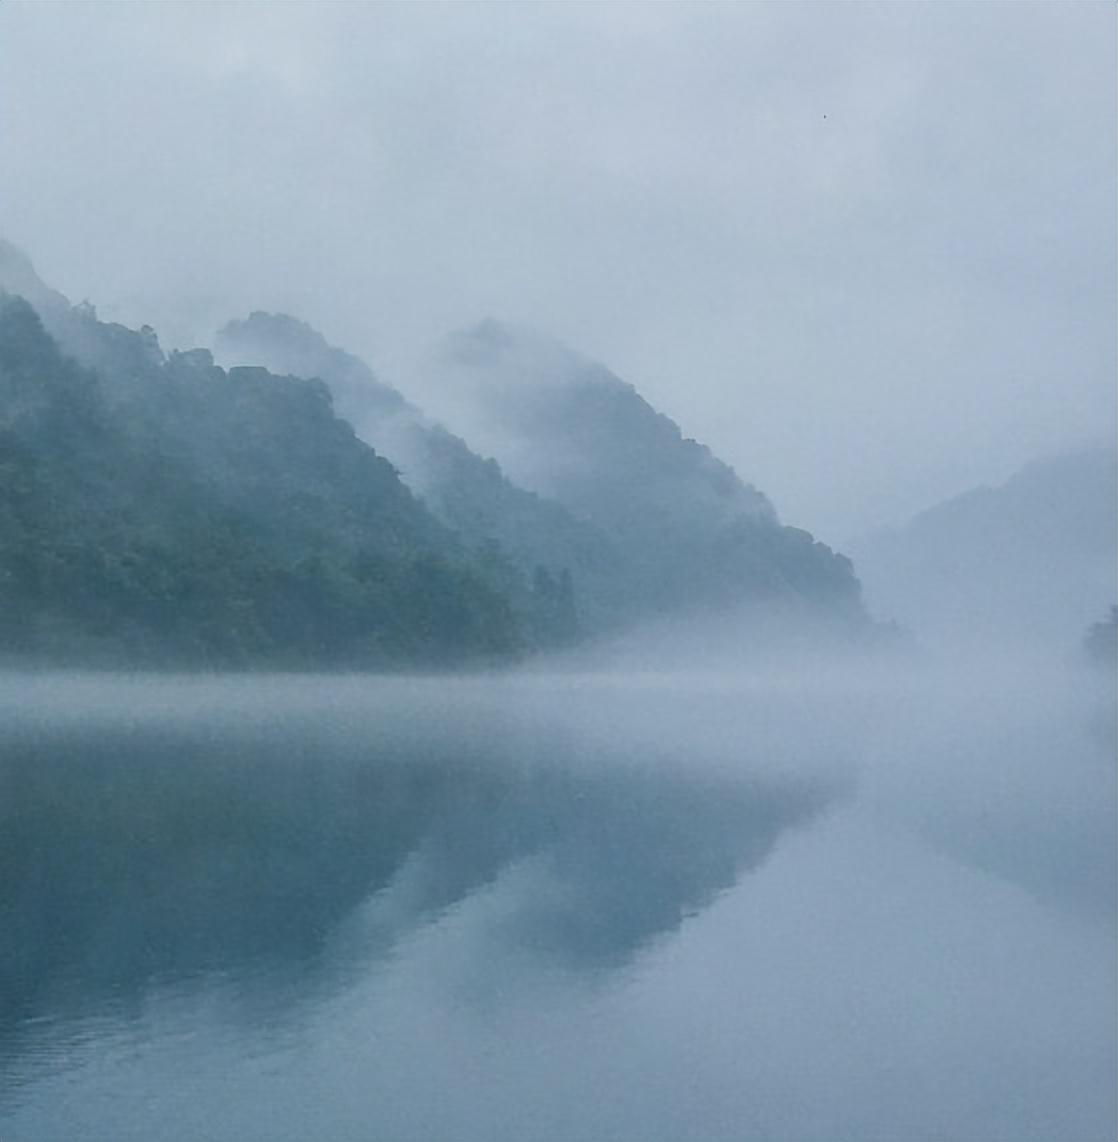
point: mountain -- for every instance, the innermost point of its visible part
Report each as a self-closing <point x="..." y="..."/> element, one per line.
<point x="588" y="480"/>
<point x="692" y="533"/>
<point x="18" y="276"/>
<point x="545" y="545"/>
<point x="291" y="347"/>
<point x="1029" y="564"/>
<point x="159" y="510"/>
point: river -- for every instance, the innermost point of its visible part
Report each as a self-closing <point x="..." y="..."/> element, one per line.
<point x="837" y="906"/>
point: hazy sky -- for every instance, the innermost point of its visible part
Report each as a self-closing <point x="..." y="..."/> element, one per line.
<point x="867" y="252"/>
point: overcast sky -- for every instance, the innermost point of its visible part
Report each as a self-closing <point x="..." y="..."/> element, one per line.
<point x="866" y="252"/>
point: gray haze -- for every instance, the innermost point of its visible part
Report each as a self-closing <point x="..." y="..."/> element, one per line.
<point x="1027" y="566"/>
<point x="865" y="252"/>
<point x="669" y="886"/>
<point x="822" y="906"/>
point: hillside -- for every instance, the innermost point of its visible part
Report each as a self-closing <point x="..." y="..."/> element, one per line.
<point x="294" y="511"/>
<point x="544" y="543"/>
<point x="692" y="533"/>
<point x="586" y="478"/>
<point x="1030" y="563"/>
<point x="161" y="511"/>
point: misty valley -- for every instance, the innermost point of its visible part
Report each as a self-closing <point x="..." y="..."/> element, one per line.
<point x="508" y="768"/>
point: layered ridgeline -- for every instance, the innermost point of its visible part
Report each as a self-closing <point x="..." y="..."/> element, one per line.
<point x="157" y="509"/>
<point x="562" y="573"/>
<point x="588" y="482"/>
<point x="693" y="533"/>
<point x="1029" y="564"/>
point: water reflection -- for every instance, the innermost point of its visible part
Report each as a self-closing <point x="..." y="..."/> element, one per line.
<point x="350" y="908"/>
<point x="152" y="850"/>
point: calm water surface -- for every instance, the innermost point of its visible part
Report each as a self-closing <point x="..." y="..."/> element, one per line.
<point x="559" y="908"/>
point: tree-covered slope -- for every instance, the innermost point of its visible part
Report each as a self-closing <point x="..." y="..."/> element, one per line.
<point x="588" y="478"/>
<point x="690" y="530"/>
<point x="544" y="542"/>
<point x="165" y="511"/>
<point x="162" y="509"/>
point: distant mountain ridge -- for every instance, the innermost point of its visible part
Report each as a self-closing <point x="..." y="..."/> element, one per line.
<point x="567" y="427"/>
<point x="1031" y="562"/>
<point x="157" y="509"/>
<point x="468" y="493"/>
<point x="644" y="519"/>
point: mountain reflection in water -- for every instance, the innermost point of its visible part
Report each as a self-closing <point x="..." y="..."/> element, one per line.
<point x="141" y="851"/>
<point x="624" y="907"/>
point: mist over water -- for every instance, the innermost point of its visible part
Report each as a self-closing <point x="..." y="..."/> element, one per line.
<point x="721" y="385"/>
<point x="829" y="904"/>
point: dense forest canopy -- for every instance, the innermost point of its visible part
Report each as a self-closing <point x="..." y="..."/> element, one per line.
<point x="215" y="518"/>
<point x="295" y="511"/>
<point x="576" y="474"/>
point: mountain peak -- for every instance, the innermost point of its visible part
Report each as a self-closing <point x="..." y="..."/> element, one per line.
<point x="284" y="344"/>
<point x="18" y="276"/>
<point x="520" y="353"/>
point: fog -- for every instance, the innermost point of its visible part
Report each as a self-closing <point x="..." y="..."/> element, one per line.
<point x="801" y="905"/>
<point x="695" y="829"/>
<point x="1019" y="567"/>
<point x="864" y="252"/>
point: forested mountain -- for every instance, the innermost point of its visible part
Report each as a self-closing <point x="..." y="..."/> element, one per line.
<point x="544" y="545"/>
<point x="291" y="347"/>
<point x="691" y="531"/>
<point x="161" y="510"/>
<point x="1029" y="563"/>
<point x="645" y="521"/>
